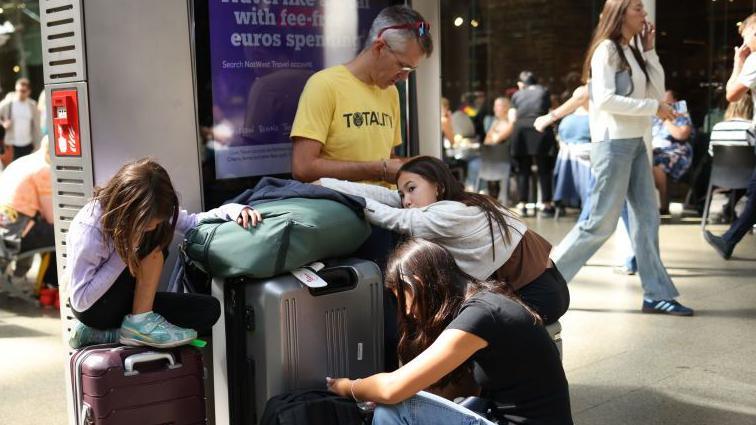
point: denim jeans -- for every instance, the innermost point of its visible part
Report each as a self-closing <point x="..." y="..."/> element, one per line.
<point x="630" y="262"/>
<point x="473" y="170"/>
<point x="622" y="171"/>
<point x="427" y="409"/>
<point x="747" y="218"/>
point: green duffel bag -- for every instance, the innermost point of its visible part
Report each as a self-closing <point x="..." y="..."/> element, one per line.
<point x="294" y="232"/>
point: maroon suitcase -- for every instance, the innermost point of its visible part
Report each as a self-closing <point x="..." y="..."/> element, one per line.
<point x="118" y="385"/>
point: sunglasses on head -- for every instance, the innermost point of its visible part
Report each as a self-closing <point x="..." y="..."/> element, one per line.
<point x="421" y="28"/>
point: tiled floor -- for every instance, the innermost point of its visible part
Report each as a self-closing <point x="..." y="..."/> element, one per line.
<point x="624" y="367"/>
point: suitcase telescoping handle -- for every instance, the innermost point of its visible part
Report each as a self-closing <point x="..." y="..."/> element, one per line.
<point x="149" y="356"/>
<point x="339" y="279"/>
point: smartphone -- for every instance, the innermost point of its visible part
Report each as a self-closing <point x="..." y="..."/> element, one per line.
<point x="681" y="107"/>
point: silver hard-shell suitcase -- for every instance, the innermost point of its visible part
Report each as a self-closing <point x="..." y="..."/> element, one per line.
<point x="282" y="335"/>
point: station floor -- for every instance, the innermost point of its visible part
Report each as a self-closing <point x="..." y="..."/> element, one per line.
<point x="623" y="367"/>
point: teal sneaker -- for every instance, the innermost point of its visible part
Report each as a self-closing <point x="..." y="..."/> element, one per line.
<point x="154" y="331"/>
<point x="83" y="335"/>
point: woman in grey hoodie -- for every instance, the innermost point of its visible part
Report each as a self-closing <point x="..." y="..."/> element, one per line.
<point x="485" y="239"/>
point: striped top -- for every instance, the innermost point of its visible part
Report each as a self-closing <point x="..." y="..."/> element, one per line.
<point x="730" y="132"/>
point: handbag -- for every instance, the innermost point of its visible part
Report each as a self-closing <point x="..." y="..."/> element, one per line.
<point x="623" y="84"/>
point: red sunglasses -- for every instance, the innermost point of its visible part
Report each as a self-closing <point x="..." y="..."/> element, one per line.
<point x="421" y="28"/>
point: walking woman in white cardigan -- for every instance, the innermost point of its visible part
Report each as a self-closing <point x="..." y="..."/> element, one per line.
<point x="627" y="83"/>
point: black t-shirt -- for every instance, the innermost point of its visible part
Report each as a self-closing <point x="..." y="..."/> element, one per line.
<point x="531" y="102"/>
<point x="520" y="368"/>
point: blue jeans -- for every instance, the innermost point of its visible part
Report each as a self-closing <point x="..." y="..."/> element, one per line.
<point x="747" y="218"/>
<point x="473" y="169"/>
<point x="427" y="409"/>
<point x="585" y="212"/>
<point x="622" y="171"/>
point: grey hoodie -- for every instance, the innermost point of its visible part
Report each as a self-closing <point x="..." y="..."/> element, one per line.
<point x="461" y="229"/>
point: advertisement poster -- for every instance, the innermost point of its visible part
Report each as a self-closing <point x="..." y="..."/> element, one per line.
<point x="262" y="52"/>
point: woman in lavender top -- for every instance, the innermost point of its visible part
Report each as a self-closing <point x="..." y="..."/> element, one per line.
<point x="117" y="245"/>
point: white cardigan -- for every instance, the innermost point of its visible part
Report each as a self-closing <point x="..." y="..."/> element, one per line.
<point x="461" y="229"/>
<point x="613" y="116"/>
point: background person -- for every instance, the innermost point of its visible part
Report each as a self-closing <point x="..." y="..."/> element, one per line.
<point x="466" y="138"/>
<point x="20" y="117"/>
<point x="498" y="131"/>
<point x="447" y="131"/>
<point x="743" y="78"/>
<point x="530" y="146"/>
<point x="673" y="153"/>
<point x="498" y="127"/>
<point x="26" y="206"/>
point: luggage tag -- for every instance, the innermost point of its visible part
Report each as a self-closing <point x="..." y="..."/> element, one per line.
<point x="309" y="275"/>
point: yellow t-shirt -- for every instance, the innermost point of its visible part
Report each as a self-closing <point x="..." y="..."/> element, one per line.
<point x="354" y="121"/>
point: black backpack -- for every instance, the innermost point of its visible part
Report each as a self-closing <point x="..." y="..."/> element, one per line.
<point x="311" y="407"/>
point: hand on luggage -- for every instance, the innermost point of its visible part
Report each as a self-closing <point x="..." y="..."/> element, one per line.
<point x="297" y="231"/>
<point x="249" y="216"/>
<point x="341" y="386"/>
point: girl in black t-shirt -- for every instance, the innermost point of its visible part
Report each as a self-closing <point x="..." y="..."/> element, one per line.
<point x="451" y="322"/>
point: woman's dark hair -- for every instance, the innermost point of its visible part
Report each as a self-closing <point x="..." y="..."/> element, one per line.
<point x="610" y="28"/>
<point x="139" y="192"/>
<point x="438" y="287"/>
<point x="450" y="189"/>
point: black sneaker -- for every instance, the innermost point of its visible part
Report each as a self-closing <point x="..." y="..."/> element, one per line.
<point x="671" y="307"/>
<point x="720" y="245"/>
<point x="548" y="212"/>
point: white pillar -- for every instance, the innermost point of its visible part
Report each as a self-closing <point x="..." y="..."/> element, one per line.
<point x="429" y="84"/>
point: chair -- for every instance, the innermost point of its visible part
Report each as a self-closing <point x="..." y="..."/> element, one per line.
<point x="495" y="166"/>
<point x="731" y="168"/>
<point x="10" y="256"/>
<point x="7" y="272"/>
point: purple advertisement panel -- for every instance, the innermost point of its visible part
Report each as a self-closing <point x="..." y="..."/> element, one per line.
<point x="262" y="52"/>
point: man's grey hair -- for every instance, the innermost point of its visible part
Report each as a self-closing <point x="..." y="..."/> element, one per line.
<point x="398" y="38"/>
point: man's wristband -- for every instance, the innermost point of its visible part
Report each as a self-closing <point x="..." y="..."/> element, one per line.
<point x="385" y="170"/>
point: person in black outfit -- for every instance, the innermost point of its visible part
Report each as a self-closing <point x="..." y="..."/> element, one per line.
<point x="451" y="323"/>
<point x="529" y="145"/>
<point x="725" y="244"/>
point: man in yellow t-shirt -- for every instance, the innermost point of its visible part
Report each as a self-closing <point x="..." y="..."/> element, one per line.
<point x="348" y="117"/>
